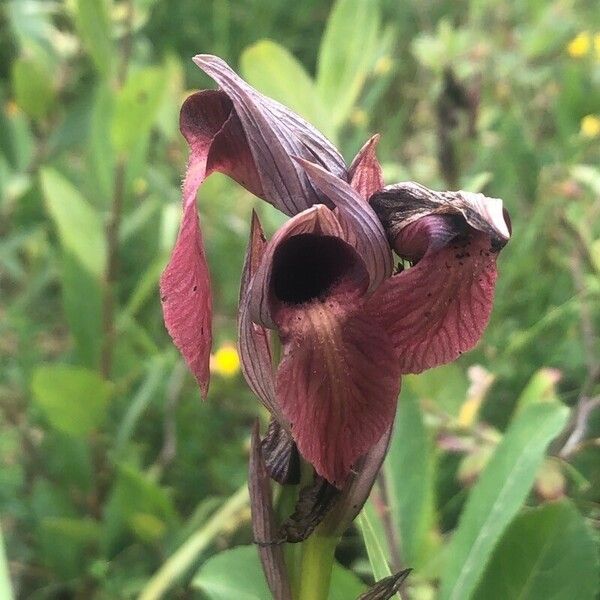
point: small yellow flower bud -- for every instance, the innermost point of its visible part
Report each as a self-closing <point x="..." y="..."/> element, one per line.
<point x="140" y="186"/>
<point x="225" y="361"/>
<point x="580" y="45"/>
<point x="590" y="126"/>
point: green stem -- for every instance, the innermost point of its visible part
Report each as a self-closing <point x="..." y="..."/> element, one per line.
<point x="317" y="563"/>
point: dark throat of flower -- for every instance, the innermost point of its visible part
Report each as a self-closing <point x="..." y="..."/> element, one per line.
<point x="311" y="267"/>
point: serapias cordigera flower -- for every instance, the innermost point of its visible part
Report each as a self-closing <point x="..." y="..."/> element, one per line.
<point x="349" y="325"/>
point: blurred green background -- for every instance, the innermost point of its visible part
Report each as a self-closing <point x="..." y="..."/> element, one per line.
<point x="110" y="465"/>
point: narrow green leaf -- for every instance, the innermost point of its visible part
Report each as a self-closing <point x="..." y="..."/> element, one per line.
<point x="82" y="300"/>
<point x="409" y="471"/>
<point x="498" y="495"/>
<point x="92" y="18"/>
<point x="374" y="538"/>
<point x="137" y="107"/>
<point x="33" y="88"/>
<point x="5" y="584"/>
<point x="73" y="399"/>
<point x="79" y="225"/>
<point x="346" y="55"/>
<point x="547" y="552"/>
<point x="274" y="71"/>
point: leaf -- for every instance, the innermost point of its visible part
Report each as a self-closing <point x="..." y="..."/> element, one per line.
<point x="73" y="399"/>
<point x="498" y="495"/>
<point x="547" y="552"/>
<point x="374" y="539"/>
<point x="236" y="573"/>
<point x="346" y="54"/>
<point x="33" y="88"/>
<point x="79" y="225"/>
<point x="5" y="584"/>
<point x="137" y="107"/>
<point x="93" y="23"/>
<point x="409" y="472"/>
<point x="275" y="72"/>
<point x="540" y="388"/>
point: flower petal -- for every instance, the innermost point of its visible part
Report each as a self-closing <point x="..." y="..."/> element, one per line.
<point x="318" y="220"/>
<point x="254" y="343"/>
<point x="337" y="382"/>
<point x="217" y="142"/>
<point x="365" y="173"/>
<point x="357" y="488"/>
<point x="185" y="288"/>
<point x="274" y="134"/>
<point x="263" y="522"/>
<point x="439" y="308"/>
<point x="401" y="204"/>
<point x="363" y="229"/>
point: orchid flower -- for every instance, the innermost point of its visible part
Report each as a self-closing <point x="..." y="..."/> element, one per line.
<point x="349" y="326"/>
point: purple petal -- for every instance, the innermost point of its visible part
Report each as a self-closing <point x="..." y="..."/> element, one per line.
<point x="263" y="522"/>
<point x="274" y="134"/>
<point x="363" y="228"/>
<point x="337" y="382"/>
<point x="357" y="488"/>
<point x="439" y="308"/>
<point x="253" y="340"/>
<point x="365" y="173"/>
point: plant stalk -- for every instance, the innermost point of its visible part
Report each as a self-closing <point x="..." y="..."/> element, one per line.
<point x="317" y="563"/>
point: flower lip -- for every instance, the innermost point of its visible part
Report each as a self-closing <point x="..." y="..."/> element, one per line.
<point x="308" y="267"/>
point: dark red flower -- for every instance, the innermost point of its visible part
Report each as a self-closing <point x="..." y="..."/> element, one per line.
<point x="348" y="326"/>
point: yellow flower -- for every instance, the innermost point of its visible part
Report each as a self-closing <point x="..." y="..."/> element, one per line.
<point x="225" y="361"/>
<point x="383" y="65"/>
<point x="597" y="45"/>
<point x="580" y="45"/>
<point x="590" y="126"/>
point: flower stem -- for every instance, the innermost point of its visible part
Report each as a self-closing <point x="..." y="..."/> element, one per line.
<point x="317" y="563"/>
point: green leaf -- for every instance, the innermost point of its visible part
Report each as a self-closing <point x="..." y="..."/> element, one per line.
<point x="274" y="71"/>
<point x="73" y="399"/>
<point x="33" y="88"/>
<point x="237" y="573"/>
<point x="82" y="300"/>
<point x="5" y="584"/>
<point x="346" y="55"/>
<point x="79" y="225"/>
<point x="498" y="495"/>
<point x="409" y="472"/>
<point x="92" y="19"/>
<point x="137" y="107"/>
<point x="547" y="552"/>
<point x="540" y="388"/>
<point x="374" y="538"/>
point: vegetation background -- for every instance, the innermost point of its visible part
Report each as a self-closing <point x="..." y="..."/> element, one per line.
<point x="115" y="480"/>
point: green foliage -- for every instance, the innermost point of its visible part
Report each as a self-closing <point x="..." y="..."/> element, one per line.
<point x="92" y="19"/>
<point x="115" y="480"/>
<point x="498" y="495"/>
<point x="547" y="552"/>
<point x="237" y="573"/>
<point x="74" y="400"/>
